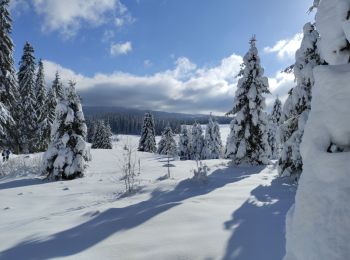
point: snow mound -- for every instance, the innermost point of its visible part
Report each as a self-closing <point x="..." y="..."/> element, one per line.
<point x="327" y="222"/>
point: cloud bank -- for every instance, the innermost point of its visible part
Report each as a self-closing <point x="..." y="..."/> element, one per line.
<point x="185" y="88"/>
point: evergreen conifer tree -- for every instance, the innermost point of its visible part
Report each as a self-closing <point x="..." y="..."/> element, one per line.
<point x="212" y="143"/>
<point x="51" y="105"/>
<point x="67" y="154"/>
<point x="298" y="104"/>
<point x="197" y="142"/>
<point x="147" y="141"/>
<point x="8" y="84"/>
<point x="185" y="150"/>
<point x="27" y="117"/>
<point x="57" y="86"/>
<point x="274" y="123"/>
<point x="167" y="145"/>
<point x="43" y="124"/>
<point x="103" y="136"/>
<point x="247" y="142"/>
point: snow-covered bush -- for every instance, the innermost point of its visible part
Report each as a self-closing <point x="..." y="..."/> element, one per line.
<point x="21" y="166"/>
<point x="201" y="173"/>
<point x="212" y="142"/>
<point x="247" y="142"/>
<point x="67" y="154"/>
<point x="129" y="167"/>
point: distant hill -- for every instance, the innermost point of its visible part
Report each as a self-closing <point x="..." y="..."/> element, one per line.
<point x="129" y="120"/>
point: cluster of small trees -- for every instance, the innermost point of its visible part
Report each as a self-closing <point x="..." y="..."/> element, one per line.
<point x="100" y="135"/>
<point x="192" y="144"/>
<point x="34" y="119"/>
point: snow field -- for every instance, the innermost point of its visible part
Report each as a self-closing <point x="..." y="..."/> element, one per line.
<point x="238" y="214"/>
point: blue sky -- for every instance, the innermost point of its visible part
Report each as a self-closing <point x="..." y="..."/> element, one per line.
<point x="103" y="43"/>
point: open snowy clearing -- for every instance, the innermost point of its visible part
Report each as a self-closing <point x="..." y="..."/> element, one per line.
<point x="238" y="214"/>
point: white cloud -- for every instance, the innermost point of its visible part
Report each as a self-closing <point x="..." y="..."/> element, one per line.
<point x="185" y="88"/>
<point x="120" y="48"/>
<point x="68" y="16"/>
<point x="286" y="48"/>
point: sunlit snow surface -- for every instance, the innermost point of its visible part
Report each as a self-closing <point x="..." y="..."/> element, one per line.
<point x="238" y="214"/>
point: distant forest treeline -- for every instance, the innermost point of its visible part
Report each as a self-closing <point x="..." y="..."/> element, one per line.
<point x="129" y="121"/>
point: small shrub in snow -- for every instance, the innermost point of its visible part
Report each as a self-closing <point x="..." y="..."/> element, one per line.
<point x="201" y="173"/>
<point x="129" y="162"/>
<point x="21" y="166"/>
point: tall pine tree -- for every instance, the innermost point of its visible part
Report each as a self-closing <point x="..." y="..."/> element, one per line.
<point x="247" y="142"/>
<point x="8" y="84"/>
<point x="167" y="145"/>
<point x="274" y="123"/>
<point x="185" y="147"/>
<point x="28" y="117"/>
<point x="197" y="142"/>
<point x="67" y="154"/>
<point x="147" y="141"/>
<point x="41" y="101"/>
<point x="103" y="136"/>
<point x="57" y="86"/>
<point x="298" y="104"/>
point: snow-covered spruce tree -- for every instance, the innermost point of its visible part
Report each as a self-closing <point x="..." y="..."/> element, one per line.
<point x="43" y="124"/>
<point x="167" y="145"/>
<point x="247" y="142"/>
<point x="297" y="106"/>
<point x="185" y="148"/>
<point x="212" y="142"/>
<point x="27" y="117"/>
<point x="147" y="141"/>
<point x="103" y="137"/>
<point x="109" y="136"/>
<point x="8" y="83"/>
<point x="57" y="86"/>
<point x="197" y="141"/>
<point x="51" y="105"/>
<point x="274" y="123"/>
<point x="322" y="208"/>
<point x="67" y="154"/>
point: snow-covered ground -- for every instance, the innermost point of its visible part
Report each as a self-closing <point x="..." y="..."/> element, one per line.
<point x="238" y="214"/>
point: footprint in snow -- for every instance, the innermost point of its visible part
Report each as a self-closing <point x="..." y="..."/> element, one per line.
<point x="66" y="188"/>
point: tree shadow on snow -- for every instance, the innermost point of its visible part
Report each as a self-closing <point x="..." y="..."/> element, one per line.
<point x="21" y="183"/>
<point x="258" y="226"/>
<point x="114" y="220"/>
